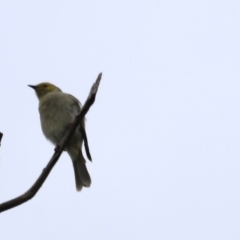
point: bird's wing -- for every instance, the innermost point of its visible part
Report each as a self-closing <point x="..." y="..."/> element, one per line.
<point x="76" y="108"/>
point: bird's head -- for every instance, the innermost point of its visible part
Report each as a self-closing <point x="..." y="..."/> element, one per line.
<point x="43" y="89"/>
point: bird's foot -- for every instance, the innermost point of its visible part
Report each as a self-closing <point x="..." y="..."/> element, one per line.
<point x="69" y="125"/>
<point x="57" y="148"/>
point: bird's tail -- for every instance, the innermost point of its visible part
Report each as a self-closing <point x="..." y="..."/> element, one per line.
<point x="82" y="177"/>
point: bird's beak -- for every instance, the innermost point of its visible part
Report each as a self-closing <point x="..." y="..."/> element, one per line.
<point x="32" y="86"/>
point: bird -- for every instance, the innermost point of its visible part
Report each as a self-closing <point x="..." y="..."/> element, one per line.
<point x="57" y="111"/>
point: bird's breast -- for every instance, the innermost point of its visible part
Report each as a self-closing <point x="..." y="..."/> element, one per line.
<point x="55" y="117"/>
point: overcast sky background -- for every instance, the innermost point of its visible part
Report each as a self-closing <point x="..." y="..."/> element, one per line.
<point x="164" y="131"/>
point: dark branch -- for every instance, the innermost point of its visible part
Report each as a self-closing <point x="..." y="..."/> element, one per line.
<point x="1" y="135"/>
<point x="39" y="182"/>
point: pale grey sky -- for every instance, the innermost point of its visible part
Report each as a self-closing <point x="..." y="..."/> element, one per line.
<point x="164" y="132"/>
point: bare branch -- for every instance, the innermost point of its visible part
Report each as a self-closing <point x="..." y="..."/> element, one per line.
<point x="39" y="182"/>
<point x="1" y="135"/>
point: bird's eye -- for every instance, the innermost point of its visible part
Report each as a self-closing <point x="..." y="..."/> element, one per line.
<point x="45" y="85"/>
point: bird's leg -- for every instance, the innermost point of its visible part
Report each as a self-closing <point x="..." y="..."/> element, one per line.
<point x="69" y="125"/>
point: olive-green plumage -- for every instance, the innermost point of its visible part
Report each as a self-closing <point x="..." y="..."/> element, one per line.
<point x="57" y="111"/>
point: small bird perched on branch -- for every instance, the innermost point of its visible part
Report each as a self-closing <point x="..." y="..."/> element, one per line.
<point x="57" y="111"/>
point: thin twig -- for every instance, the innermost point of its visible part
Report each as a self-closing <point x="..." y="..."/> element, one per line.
<point x="1" y="135"/>
<point x="39" y="182"/>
